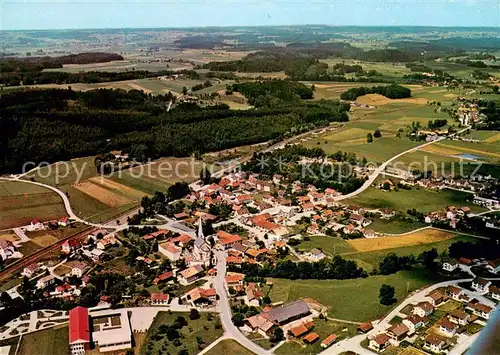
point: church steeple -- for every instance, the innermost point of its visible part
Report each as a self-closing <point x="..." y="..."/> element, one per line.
<point x="200" y="229"/>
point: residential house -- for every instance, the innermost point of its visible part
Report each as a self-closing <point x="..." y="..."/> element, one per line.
<point x="495" y="293"/>
<point x="458" y="317"/>
<point x="260" y="324"/>
<point x="106" y="242"/>
<point x="387" y="213"/>
<point x="190" y="274"/>
<point x="481" y="285"/>
<point x="436" y="297"/>
<point x="434" y="343"/>
<point x="397" y="333"/>
<point x="234" y="280"/>
<point x="481" y="310"/>
<point x="447" y="328"/>
<point x="200" y="297"/>
<point x="413" y="322"/>
<point x="163" y="277"/>
<point x="450" y="265"/>
<point x="493" y="266"/>
<point x="298" y="331"/>
<point x="36" y="225"/>
<point x="169" y="249"/>
<point x="365" y="327"/>
<point x="63" y="222"/>
<point x="253" y="295"/>
<point x="70" y="245"/>
<point x="30" y="270"/>
<point x="159" y="299"/>
<point x="97" y="254"/>
<point x="78" y="269"/>
<point x="380" y="342"/>
<point x="369" y="233"/>
<point x="45" y="281"/>
<point x="423" y="309"/>
<point x="454" y="292"/>
<point x="316" y="255"/>
<point x="227" y="240"/>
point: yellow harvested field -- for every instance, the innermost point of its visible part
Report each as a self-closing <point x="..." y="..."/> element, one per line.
<point x="11" y="237"/>
<point x="113" y="185"/>
<point x="101" y="194"/>
<point x="493" y="139"/>
<point x="412" y="351"/>
<point x="425" y="236"/>
<point x="45" y="240"/>
<point x="441" y="149"/>
<point x="376" y="99"/>
<point x="136" y="86"/>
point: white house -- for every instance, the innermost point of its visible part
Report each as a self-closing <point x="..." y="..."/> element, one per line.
<point x="447" y="328"/>
<point x="172" y="252"/>
<point x="434" y="343"/>
<point x="78" y="268"/>
<point x="450" y="265"/>
<point x="413" y="322"/>
<point x="423" y="309"/>
<point x="495" y="293"/>
<point x="481" y="285"/>
<point x="493" y="266"/>
<point x="106" y="242"/>
<point x="45" y="281"/>
<point x="316" y="255"/>
<point x="159" y="299"/>
<point x="459" y="317"/>
<point x="30" y="270"/>
<point x="6" y="249"/>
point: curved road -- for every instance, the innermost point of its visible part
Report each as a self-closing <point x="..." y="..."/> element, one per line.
<point x="225" y="309"/>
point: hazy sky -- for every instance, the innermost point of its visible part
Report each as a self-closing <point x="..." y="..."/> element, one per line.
<point x="52" y="14"/>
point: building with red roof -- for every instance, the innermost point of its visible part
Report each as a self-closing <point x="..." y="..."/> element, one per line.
<point x="79" y="330"/>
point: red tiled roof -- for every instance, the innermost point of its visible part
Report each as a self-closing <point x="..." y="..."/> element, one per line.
<point x="159" y="297"/>
<point x="226" y="238"/>
<point x="79" y="329"/>
<point x="311" y="337"/>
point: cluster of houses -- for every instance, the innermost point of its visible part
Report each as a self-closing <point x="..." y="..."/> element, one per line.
<point x="436" y="335"/>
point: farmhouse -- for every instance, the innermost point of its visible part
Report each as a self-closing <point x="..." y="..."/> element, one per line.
<point x="259" y="324"/>
<point x="289" y="312"/>
<point x="169" y="249"/>
<point x="253" y="295"/>
<point x="190" y="274"/>
<point x="200" y="297"/>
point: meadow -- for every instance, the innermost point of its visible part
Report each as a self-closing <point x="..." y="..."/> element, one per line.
<point x="229" y="346"/>
<point x="338" y="295"/>
<point x="202" y="327"/>
<point x="48" y="341"/>
<point x="329" y="245"/>
<point x="422" y="199"/>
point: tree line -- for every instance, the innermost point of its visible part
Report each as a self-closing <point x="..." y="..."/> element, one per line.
<point x="393" y="91"/>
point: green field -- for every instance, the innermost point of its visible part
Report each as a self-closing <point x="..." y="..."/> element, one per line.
<point x="389" y="71"/>
<point x="481" y="135"/>
<point x="49" y="341"/>
<point x="229" y="347"/>
<point x="371" y="260"/>
<point x="422" y="199"/>
<point x="323" y="328"/>
<point x="196" y="328"/>
<point x="329" y="245"/>
<point x="394" y="226"/>
<point x="355" y="300"/>
<point x="13" y="188"/>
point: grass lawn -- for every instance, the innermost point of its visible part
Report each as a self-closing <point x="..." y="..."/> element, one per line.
<point x="329" y="245"/>
<point x="422" y="199"/>
<point x="48" y="341"/>
<point x="370" y="260"/>
<point x="323" y="329"/>
<point x="229" y="347"/>
<point x="261" y="341"/>
<point x="393" y="226"/>
<point x="201" y="327"/>
<point x="338" y="295"/>
<point x="450" y="306"/>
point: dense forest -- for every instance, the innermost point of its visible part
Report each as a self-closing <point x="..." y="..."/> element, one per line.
<point x="51" y="125"/>
<point x="272" y="92"/>
<point x="390" y="91"/>
<point x="492" y="111"/>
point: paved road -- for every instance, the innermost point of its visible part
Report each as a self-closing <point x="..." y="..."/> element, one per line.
<point x="230" y="329"/>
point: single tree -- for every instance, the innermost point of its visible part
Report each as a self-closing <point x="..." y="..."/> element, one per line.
<point x="386" y="295"/>
<point x="276" y="335"/>
<point x="377" y="134"/>
<point x="369" y="138"/>
<point x="205" y="176"/>
<point x="194" y="314"/>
